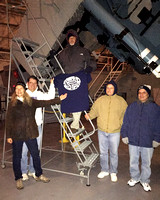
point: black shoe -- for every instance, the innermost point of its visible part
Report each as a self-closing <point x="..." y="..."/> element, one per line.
<point x="74" y="130"/>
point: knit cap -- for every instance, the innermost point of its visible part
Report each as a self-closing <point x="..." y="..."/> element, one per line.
<point x="145" y="87"/>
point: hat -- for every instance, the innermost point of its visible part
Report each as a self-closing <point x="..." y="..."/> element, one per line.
<point x="70" y="33"/>
<point x="145" y="87"/>
<point x="21" y="83"/>
<point x="112" y="82"/>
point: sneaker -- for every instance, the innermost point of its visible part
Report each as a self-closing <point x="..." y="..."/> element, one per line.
<point x="42" y="178"/>
<point x="114" y="177"/>
<point x="25" y="177"/>
<point x="132" y="182"/>
<point x="102" y="174"/>
<point x="19" y="184"/>
<point x="32" y="174"/>
<point x="146" y="187"/>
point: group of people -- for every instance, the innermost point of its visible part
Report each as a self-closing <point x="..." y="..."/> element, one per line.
<point x="24" y="114"/>
<point x="137" y="123"/>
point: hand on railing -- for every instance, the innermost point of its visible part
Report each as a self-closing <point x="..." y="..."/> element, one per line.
<point x="87" y="116"/>
<point x="52" y="53"/>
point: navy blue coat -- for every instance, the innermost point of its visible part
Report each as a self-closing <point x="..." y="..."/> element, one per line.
<point x="140" y="124"/>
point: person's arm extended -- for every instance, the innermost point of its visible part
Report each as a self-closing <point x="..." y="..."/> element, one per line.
<point x="48" y="95"/>
<point x="93" y="112"/>
<point x="43" y="103"/>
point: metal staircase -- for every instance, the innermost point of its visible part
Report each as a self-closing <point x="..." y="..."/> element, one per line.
<point x="33" y="57"/>
<point x="80" y="141"/>
<point x="112" y="71"/>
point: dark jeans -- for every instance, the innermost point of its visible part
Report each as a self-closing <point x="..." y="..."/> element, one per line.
<point x="17" y="154"/>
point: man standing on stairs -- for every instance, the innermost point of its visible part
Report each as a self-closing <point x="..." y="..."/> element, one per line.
<point x="109" y="110"/>
<point x="77" y="64"/>
<point x="35" y="94"/>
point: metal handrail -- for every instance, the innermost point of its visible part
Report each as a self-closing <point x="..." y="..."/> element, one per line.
<point x="111" y="75"/>
<point x="97" y="76"/>
<point x="106" y="77"/>
<point x="107" y="65"/>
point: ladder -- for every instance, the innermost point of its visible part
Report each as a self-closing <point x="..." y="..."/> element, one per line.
<point x="33" y="57"/>
<point x="80" y="141"/>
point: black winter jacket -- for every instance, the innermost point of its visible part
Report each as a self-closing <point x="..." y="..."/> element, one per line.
<point x="76" y="58"/>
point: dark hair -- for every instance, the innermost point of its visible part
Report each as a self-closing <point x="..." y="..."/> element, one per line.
<point x="33" y="77"/>
<point x="21" y="83"/>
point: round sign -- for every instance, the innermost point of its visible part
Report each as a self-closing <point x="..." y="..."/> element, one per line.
<point x="72" y="83"/>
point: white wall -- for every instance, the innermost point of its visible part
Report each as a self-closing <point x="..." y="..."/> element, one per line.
<point x="51" y="16"/>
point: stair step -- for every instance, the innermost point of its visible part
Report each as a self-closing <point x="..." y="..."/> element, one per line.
<point x="66" y="120"/>
<point x="44" y="80"/>
<point x="117" y="72"/>
<point x="82" y="146"/>
<point x="87" y="135"/>
<point x="26" y="42"/>
<point x="55" y="107"/>
<point x="80" y="130"/>
<point x="37" y="55"/>
<point x="90" y="160"/>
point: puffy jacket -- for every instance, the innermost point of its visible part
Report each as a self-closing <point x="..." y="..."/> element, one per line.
<point x="75" y="58"/>
<point x="139" y="124"/>
<point x="109" y="111"/>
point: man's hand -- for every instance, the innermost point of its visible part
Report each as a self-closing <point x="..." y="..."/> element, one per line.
<point x="87" y="116"/>
<point x="63" y="96"/>
<point x="125" y="140"/>
<point x="9" y="140"/>
<point x="155" y="144"/>
<point x="52" y="80"/>
<point x="52" y="53"/>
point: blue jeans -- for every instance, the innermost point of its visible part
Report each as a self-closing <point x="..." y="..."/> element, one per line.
<point x="108" y="145"/>
<point x="24" y="160"/>
<point x="17" y="154"/>
<point x="135" y="153"/>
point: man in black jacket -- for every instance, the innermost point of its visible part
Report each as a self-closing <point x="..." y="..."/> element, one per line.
<point x="74" y="59"/>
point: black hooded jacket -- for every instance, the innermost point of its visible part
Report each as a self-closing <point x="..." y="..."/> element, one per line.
<point x="75" y="58"/>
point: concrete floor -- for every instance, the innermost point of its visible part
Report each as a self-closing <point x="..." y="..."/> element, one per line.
<point x="72" y="187"/>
